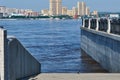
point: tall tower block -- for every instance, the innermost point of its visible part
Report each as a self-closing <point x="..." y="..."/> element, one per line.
<point x="52" y="7"/>
<point x="58" y="7"/>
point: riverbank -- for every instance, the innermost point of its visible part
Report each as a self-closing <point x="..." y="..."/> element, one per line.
<point x="39" y="17"/>
<point x="33" y="19"/>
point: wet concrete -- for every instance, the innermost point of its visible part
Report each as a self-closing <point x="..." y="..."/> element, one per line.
<point x="90" y="65"/>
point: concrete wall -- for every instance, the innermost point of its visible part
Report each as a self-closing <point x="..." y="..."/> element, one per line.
<point x="21" y="62"/>
<point x="15" y="61"/>
<point x="3" y="55"/>
<point x="103" y="47"/>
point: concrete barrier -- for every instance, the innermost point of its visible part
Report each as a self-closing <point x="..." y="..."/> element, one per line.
<point x="109" y="25"/>
<point x="103" y="47"/>
<point x="3" y="55"/>
<point x="15" y="61"/>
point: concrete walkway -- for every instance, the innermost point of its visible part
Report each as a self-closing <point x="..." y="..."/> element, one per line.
<point x="73" y="76"/>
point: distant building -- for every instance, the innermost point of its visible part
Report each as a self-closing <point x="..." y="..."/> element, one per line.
<point x="64" y="11"/>
<point x="81" y="8"/>
<point x="12" y="10"/>
<point x="45" y="12"/>
<point x="16" y="14"/>
<point x="34" y="14"/>
<point x="7" y="12"/>
<point x="55" y="7"/>
<point x="59" y="7"/>
<point x="70" y="12"/>
<point x="114" y="16"/>
<point x="74" y="10"/>
<point x="28" y="12"/>
<point x="95" y="13"/>
<point x="21" y="11"/>
<point x="87" y="11"/>
<point x="52" y="7"/>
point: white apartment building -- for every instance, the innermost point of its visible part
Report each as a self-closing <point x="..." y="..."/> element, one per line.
<point x="81" y="8"/>
<point x="64" y="10"/>
<point x="55" y="7"/>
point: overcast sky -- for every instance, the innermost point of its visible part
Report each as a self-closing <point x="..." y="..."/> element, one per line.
<point x="37" y="5"/>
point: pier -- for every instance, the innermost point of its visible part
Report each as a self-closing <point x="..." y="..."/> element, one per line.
<point x="100" y="38"/>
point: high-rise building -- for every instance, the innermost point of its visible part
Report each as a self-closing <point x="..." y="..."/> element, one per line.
<point x="55" y="7"/>
<point x="81" y="8"/>
<point x="58" y="7"/>
<point x="52" y="7"/>
<point x="64" y="11"/>
<point x="87" y="11"/>
<point x="2" y="9"/>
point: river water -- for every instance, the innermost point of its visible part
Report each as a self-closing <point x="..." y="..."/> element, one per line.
<point x="54" y="43"/>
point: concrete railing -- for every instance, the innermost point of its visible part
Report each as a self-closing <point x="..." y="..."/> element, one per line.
<point x="103" y="24"/>
<point x="15" y="61"/>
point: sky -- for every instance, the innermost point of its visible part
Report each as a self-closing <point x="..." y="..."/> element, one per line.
<point x="37" y="5"/>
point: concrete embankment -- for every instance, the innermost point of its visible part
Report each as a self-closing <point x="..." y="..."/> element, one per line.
<point x="73" y="76"/>
<point x="103" y="47"/>
<point x="15" y="61"/>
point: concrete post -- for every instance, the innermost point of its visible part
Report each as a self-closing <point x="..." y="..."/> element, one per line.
<point x="3" y="55"/>
<point x="97" y="25"/>
<point x="109" y="26"/>
<point x="89" y="24"/>
<point x="83" y="23"/>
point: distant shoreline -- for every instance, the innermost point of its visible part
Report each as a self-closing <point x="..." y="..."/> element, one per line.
<point x="36" y="18"/>
<point x="32" y="19"/>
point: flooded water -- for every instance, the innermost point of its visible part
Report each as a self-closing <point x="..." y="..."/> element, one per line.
<point x="54" y="43"/>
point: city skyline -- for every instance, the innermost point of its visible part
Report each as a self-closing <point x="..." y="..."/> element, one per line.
<point x="56" y="8"/>
<point x="101" y="6"/>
